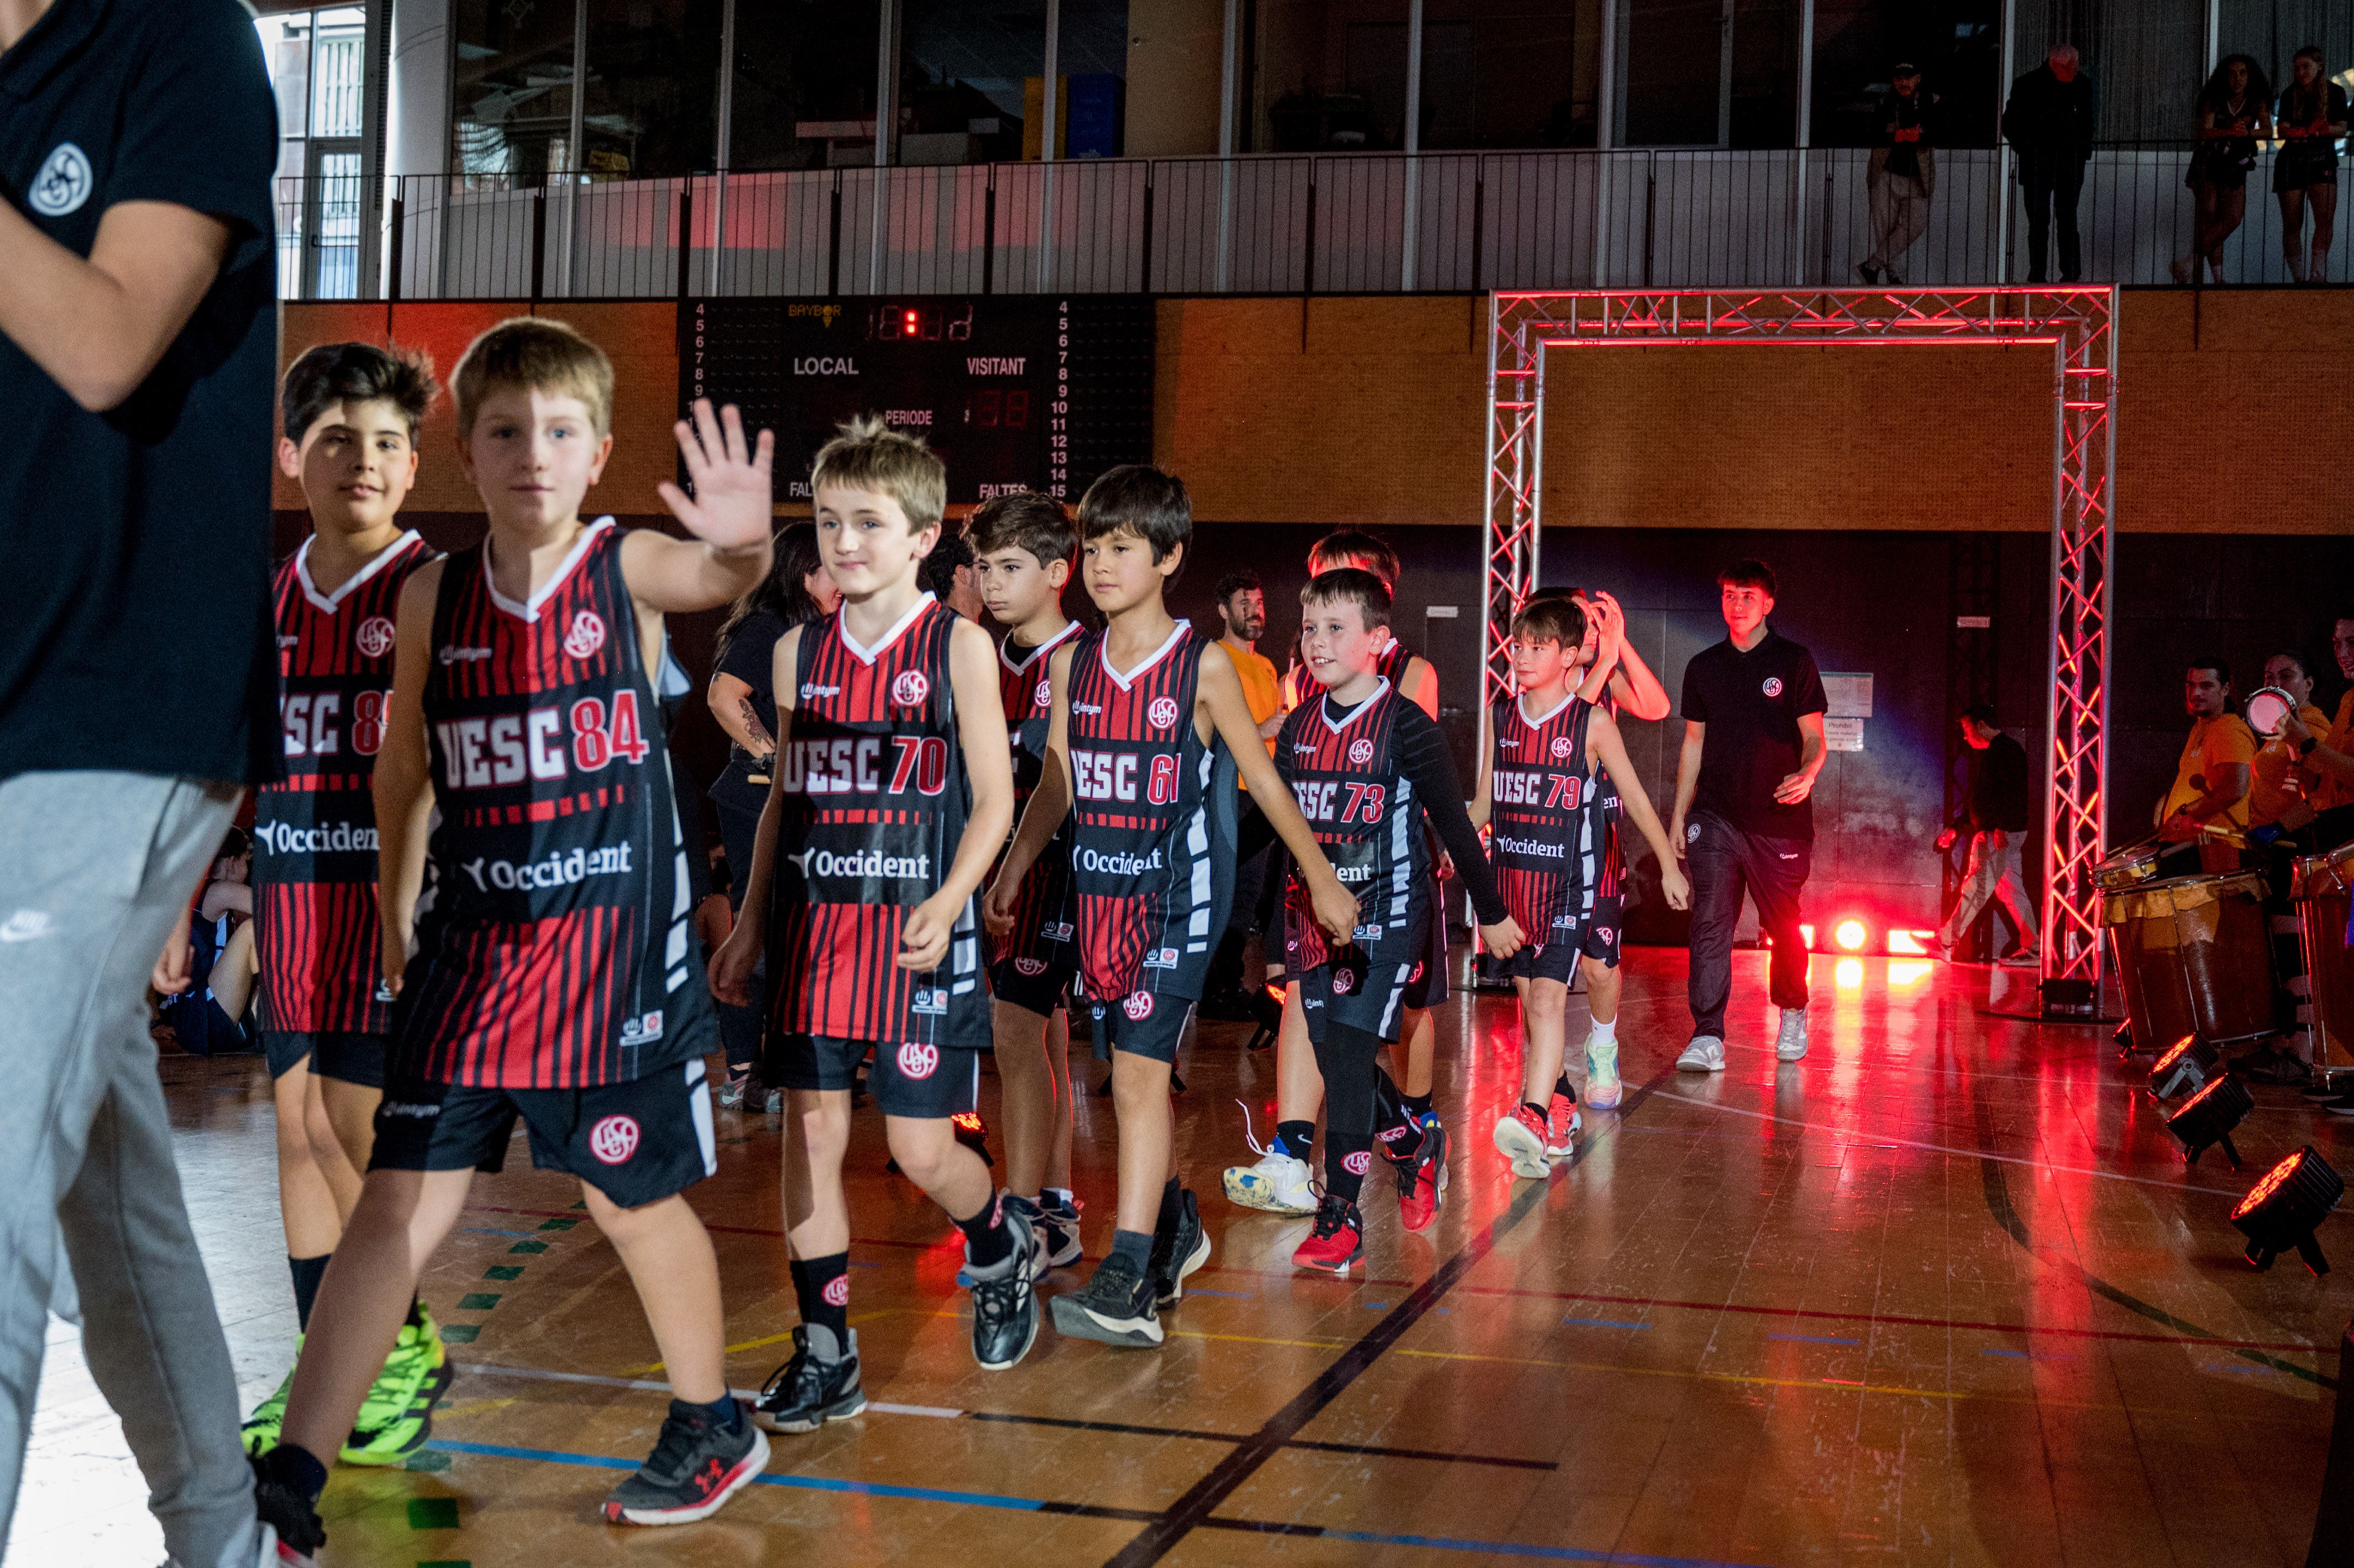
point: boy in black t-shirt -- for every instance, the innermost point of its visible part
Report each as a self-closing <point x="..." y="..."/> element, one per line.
<point x="1753" y="708"/>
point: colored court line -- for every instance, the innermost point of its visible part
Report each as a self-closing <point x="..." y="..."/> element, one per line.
<point x="1092" y="1511"/>
<point x="1602" y="1323"/>
<point x="1814" y="1340"/>
<point x="1201" y="1501"/>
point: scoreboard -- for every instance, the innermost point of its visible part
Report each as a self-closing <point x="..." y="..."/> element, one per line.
<point x="1014" y="392"/>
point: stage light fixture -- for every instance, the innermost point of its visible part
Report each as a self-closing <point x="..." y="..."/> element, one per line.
<point x="2207" y="1119"/>
<point x="2188" y="1064"/>
<point x="1910" y="944"/>
<point x="1850" y="935"/>
<point x="2281" y="1212"/>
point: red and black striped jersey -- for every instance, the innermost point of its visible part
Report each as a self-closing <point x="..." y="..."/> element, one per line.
<point x="1391" y="662"/>
<point x="1152" y="835"/>
<point x="555" y="949"/>
<point x="315" y="866"/>
<point x="1541" y="821"/>
<point x="875" y="799"/>
<point x="1343" y="770"/>
<point x="1043" y="925"/>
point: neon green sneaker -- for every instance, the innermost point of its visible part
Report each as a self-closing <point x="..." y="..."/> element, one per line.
<point x="396" y="1416"/>
<point x="260" y="1433"/>
<point x="421" y="1338"/>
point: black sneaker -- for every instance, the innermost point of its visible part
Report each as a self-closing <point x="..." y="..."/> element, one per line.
<point x="287" y="1509"/>
<point x="1036" y="1217"/>
<point x="807" y="1391"/>
<point x="1176" y="1255"/>
<point x="696" y="1465"/>
<point x="1059" y="1221"/>
<point x="1116" y="1307"/>
<point x="1005" y="1297"/>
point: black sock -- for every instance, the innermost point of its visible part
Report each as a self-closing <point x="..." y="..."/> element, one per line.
<point x="1540" y="1112"/>
<point x="307" y="1273"/>
<point x="1562" y="1085"/>
<point x="1345" y="1162"/>
<point x="987" y="1238"/>
<point x="723" y="1413"/>
<point x="1299" y="1138"/>
<point x="296" y="1469"/>
<point x="824" y="1285"/>
<point x="416" y="1312"/>
<point x="1171" y="1209"/>
<point x="1418" y="1104"/>
<point x="1134" y="1245"/>
<point x="1353" y="1090"/>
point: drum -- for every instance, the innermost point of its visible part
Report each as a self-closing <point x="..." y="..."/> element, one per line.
<point x="2129" y="868"/>
<point x="2320" y="894"/>
<point x="2194" y="957"/>
<point x="2265" y="710"/>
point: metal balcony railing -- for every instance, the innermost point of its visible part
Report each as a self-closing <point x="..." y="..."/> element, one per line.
<point x="1280" y="223"/>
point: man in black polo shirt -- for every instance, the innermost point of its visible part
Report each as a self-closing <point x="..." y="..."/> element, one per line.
<point x="1994" y="811"/>
<point x="1753" y="744"/>
<point x="138" y="683"/>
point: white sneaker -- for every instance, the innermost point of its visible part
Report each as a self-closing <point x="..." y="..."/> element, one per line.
<point x="1602" y="1085"/>
<point x="1278" y="1184"/>
<point x="2025" y="959"/>
<point x="1790" y="1045"/>
<point x="1704" y="1054"/>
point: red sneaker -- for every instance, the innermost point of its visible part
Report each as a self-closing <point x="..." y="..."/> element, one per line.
<point x="1337" y="1240"/>
<point x="1423" y="1182"/>
<point x="1562" y="1123"/>
<point x="1520" y="1139"/>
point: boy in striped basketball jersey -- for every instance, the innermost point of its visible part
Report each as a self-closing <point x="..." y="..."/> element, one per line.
<point x="894" y="788"/>
<point x="1142" y="750"/>
<point x="555" y="978"/>
<point x="1537" y="787"/>
<point x="350" y="416"/>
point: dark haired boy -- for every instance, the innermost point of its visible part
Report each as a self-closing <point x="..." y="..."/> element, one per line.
<point x="1023" y="546"/>
<point x="894" y="790"/>
<point x="351" y="412"/>
<point x="1753" y="708"/>
<point x="1149" y="728"/>
<point x="1371" y="774"/>
<point x="555" y="974"/>
<point x="1537" y="787"/>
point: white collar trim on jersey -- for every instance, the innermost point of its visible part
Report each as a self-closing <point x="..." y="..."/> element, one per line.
<point x="1324" y="708"/>
<point x="1103" y="651"/>
<point x="868" y="655"/>
<point x="529" y="609"/>
<point x="1070" y="628"/>
<point x="1522" y="703"/>
<point x="329" y="603"/>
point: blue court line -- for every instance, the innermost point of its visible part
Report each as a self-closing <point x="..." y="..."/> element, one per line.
<point x="1814" y="1340"/>
<point x="2038" y="1355"/>
<point x="1603" y="1323"/>
<point x="1040" y="1505"/>
<point x="2252" y="1371"/>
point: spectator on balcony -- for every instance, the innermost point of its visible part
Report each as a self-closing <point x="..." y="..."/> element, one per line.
<point x="2311" y="117"/>
<point x="2234" y="110"/>
<point x="1902" y="175"/>
<point x="2049" y="122"/>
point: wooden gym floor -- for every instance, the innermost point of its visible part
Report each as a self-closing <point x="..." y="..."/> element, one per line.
<point x="1942" y="1294"/>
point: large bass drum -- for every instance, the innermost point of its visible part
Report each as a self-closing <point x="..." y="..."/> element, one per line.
<point x="2194" y="957"/>
<point x="2320" y="894"/>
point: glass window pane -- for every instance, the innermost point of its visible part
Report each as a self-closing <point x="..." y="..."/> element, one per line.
<point x="805" y="82"/>
<point x="286" y="51"/>
<point x="652" y="85"/>
<point x="338" y="219"/>
<point x="1958" y="45"/>
<point x="510" y="109"/>
<point x="1675" y="68"/>
<point x="965" y="73"/>
<point x="338" y="69"/>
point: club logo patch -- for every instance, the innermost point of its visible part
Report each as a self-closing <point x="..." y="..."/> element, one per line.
<point x="910" y="689"/>
<point x="1138" y="1006"/>
<point x="1773" y="687"/>
<point x="1415" y="976"/>
<point x="1060" y="931"/>
<point x="645" y="1026"/>
<point x="1031" y="967"/>
<point x="1560" y="745"/>
<point x="929" y="999"/>
<point x="1607" y="933"/>
<point x="918" y="1061"/>
<point x="1360" y="751"/>
<point x="837" y="1290"/>
<point x="1343" y="982"/>
<point x="63" y="184"/>
<point x="1357" y="1164"/>
<point x="588" y="634"/>
<point x="614" y="1140"/>
<point x="373" y="638"/>
<point x="1691" y="833"/>
<point x="1162" y="713"/>
<point x="1046" y="696"/>
<point x="1161" y="959"/>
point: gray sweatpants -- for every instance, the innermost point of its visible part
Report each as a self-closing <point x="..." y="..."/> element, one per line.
<point x="94" y="870"/>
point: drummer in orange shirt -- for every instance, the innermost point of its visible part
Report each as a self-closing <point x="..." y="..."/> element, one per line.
<point x="2208" y="803"/>
<point x="2329" y="757"/>
<point x="2278" y="784"/>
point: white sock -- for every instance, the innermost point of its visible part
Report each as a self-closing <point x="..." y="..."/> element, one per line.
<point x="1603" y="1034"/>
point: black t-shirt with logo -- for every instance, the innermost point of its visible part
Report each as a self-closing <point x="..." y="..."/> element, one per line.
<point x="135" y="545"/>
<point x="1751" y="704"/>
